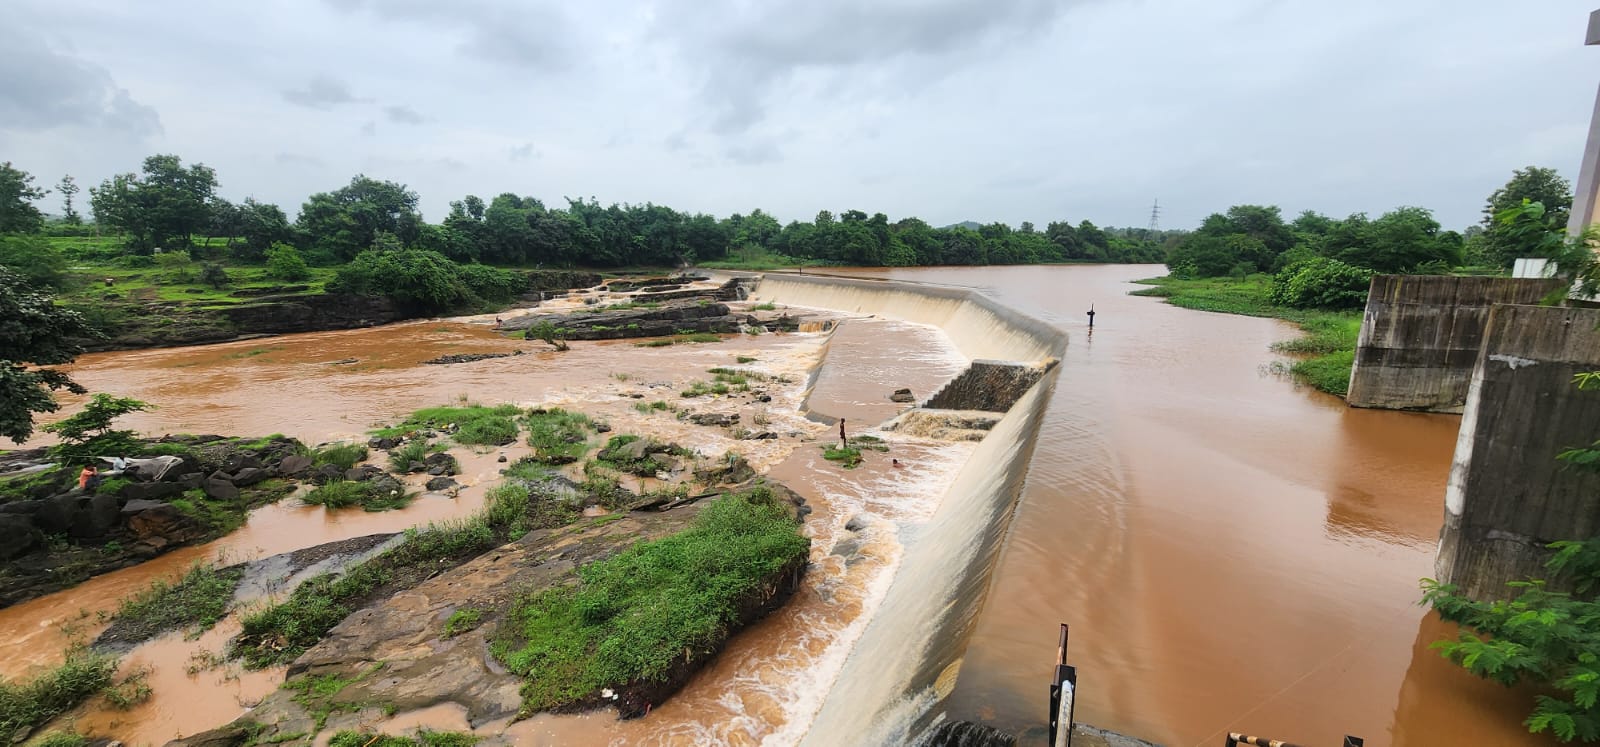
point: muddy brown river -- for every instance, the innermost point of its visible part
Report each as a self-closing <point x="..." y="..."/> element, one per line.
<point x="1232" y="551"/>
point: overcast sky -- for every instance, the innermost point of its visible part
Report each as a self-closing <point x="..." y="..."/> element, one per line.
<point x="986" y="110"/>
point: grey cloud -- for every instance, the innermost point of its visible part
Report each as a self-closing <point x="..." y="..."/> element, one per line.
<point x="754" y="153"/>
<point x="369" y="129"/>
<point x="41" y="89"/>
<point x="754" y="52"/>
<point x="522" y="34"/>
<point x="321" y="92"/>
<point x="523" y="152"/>
<point x="402" y="115"/>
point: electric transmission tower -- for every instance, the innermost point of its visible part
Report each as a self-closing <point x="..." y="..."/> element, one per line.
<point x="1155" y="218"/>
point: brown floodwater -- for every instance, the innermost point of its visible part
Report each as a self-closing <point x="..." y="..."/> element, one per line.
<point x="1233" y="552"/>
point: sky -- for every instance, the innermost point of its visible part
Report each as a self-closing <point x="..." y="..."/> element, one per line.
<point x="949" y="110"/>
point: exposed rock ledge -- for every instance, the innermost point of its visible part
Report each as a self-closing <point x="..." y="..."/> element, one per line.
<point x="399" y="659"/>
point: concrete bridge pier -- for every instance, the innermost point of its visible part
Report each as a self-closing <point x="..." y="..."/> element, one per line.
<point x="1508" y="496"/>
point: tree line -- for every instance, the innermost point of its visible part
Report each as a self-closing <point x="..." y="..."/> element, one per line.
<point x="167" y="203"/>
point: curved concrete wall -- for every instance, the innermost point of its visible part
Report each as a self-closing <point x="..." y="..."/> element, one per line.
<point x="979" y="327"/>
<point x="907" y="659"/>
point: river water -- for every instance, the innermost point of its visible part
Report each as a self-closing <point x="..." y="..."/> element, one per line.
<point x="1232" y="551"/>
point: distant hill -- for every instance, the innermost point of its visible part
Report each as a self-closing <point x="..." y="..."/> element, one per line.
<point x="970" y="225"/>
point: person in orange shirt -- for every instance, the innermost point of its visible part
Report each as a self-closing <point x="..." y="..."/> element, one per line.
<point x="86" y="478"/>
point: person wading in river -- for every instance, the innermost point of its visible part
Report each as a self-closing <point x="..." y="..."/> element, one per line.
<point x="843" y="442"/>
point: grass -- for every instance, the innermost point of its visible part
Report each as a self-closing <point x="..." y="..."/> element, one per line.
<point x="33" y="702"/>
<point x="317" y="694"/>
<point x="346" y="493"/>
<point x="403" y="456"/>
<point x="764" y="307"/>
<point x="342" y="455"/>
<point x="848" y="457"/>
<point x="614" y="457"/>
<point x="558" y="436"/>
<point x="423" y="738"/>
<point x="218" y="516"/>
<point x="640" y="615"/>
<point x="62" y="739"/>
<point x="656" y="406"/>
<point x="475" y="425"/>
<point x="196" y="601"/>
<point x="746" y="359"/>
<point x="703" y="388"/>
<point x="462" y="620"/>
<point x="1329" y="342"/>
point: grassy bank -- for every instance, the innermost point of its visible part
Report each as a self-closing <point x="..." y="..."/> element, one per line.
<point x="198" y="600"/>
<point x="1326" y="352"/>
<point x="642" y="616"/>
<point x="27" y="704"/>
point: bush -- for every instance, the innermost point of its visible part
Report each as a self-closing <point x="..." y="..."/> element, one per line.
<point x="415" y="278"/>
<point x="285" y="263"/>
<point x="493" y="284"/>
<point x="88" y="433"/>
<point x="558" y="436"/>
<point x="213" y="275"/>
<point x="1321" y="283"/>
<point x="343" y="456"/>
<point x="34" y="259"/>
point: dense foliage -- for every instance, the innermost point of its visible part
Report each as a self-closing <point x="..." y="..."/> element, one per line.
<point x="1550" y="638"/>
<point x="88" y="433"/>
<point x="1321" y="283"/>
<point x="159" y="209"/>
<point x="1501" y="243"/>
<point x="424" y="280"/>
<point x="34" y="332"/>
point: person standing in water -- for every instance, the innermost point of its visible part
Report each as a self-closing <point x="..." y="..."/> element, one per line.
<point x="1091" y="316"/>
<point x="843" y="442"/>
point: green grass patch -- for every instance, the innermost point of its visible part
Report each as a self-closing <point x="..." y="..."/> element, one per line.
<point x="764" y="307"/>
<point x="462" y="620"/>
<point x="640" y="614"/>
<point x="1330" y="336"/>
<point x="196" y="601"/>
<point x="656" y="406"/>
<point x="424" y="738"/>
<point x="318" y="695"/>
<point x="746" y="359"/>
<point x="704" y="388"/>
<point x="848" y="457"/>
<point x="558" y="436"/>
<point x="342" y="455"/>
<point x="473" y="425"/>
<point x="30" y="703"/>
<point x="62" y="739"/>
<point x="403" y="456"/>
<point x="657" y="343"/>
<point x="683" y="337"/>
<point x="219" y="516"/>
<point x="366" y="494"/>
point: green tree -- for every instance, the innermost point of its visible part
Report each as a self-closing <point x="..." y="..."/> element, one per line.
<point x="212" y="274"/>
<point x="17" y="193"/>
<point x="1533" y="184"/>
<point x="1320" y="282"/>
<point x="88" y="433"/>
<point x="34" y="332"/>
<point x="30" y="256"/>
<point x="69" y="189"/>
<point x="340" y="224"/>
<point x="285" y="263"/>
<point x="263" y="226"/>
<point x="1401" y="240"/>
<point x="161" y="208"/>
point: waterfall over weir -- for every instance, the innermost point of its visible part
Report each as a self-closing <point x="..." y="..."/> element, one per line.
<point x="907" y="659"/>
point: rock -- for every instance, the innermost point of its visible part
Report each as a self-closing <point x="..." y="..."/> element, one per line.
<point x="634" y="450"/>
<point x="17" y="535"/>
<point x="149" y="491"/>
<point x="468" y="357"/>
<point x="139" y="506"/>
<point x="382" y="443"/>
<point x="56" y="514"/>
<point x="856" y="523"/>
<point x="502" y="459"/>
<point x="902" y="395"/>
<point x="362" y="474"/>
<point x="220" y="489"/>
<point x="96" y="518"/>
<point x="602" y="427"/>
<point x="27" y="508"/>
<point x="440" y="463"/>
<point x="441" y="484"/>
<point x="162" y="525"/>
<point x="247" y="476"/>
<point x="294" y="465"/>
<point x="191" y="480"/>
<point x="386" y="484"/>
<point x="344" y="361"/>
<point x="764" y="398"/>
<point x="327" y="473"/>
<point x="416" y="467"/>
<point x="714" y="418"/>
<point x="759" y="436"/>
<point x="848" y="548"/>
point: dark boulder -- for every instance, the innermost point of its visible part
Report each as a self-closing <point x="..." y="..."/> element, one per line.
<point x="292" y="466"/>
<point x="247" y="476"/>
<point x="149" y="490"/>
<point x="17" y="535"/>
<point x="383" y="443"/>
<point x="441" y="484"/>
<point x="96" y="518"/>
<point x="902" y="395"/>
<point x="386" y="484"/>
<point x="191" y="480"/>
<point x="139" y="506"/>
<point x="219" y="487"/>
<point x="759" y="436"/>
<point x="56" y="514"/>
<point x="327" y="473"/>
<point x="21" y="507"/>
<point x="440" y="463"/>
<point x="163" y="525"/>
<point x="362" y="474"/>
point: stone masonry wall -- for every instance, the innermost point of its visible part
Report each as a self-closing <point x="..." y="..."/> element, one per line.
<point x="992" y="386"/>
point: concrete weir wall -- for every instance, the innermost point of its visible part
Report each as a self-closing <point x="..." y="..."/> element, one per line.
<point x="991" y="386"/>
<point x="1508" y="497"/>
<point x="909" y="655"/>
<point x="1420" y="337"/>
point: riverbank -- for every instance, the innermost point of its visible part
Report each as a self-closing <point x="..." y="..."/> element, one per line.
<point x="1324" y="356"/>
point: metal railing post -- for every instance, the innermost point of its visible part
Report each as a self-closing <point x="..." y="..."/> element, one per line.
<point x="1063" y="689"/>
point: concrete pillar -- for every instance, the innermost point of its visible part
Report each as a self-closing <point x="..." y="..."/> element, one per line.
<point x="1420" y="336"/>
<point x="1508" y="497"/>
<point x="1587" y="193"/>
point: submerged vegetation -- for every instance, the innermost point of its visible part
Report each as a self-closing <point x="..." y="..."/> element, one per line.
<point x="196" y="601"/>
<point x="30" y="703"/>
